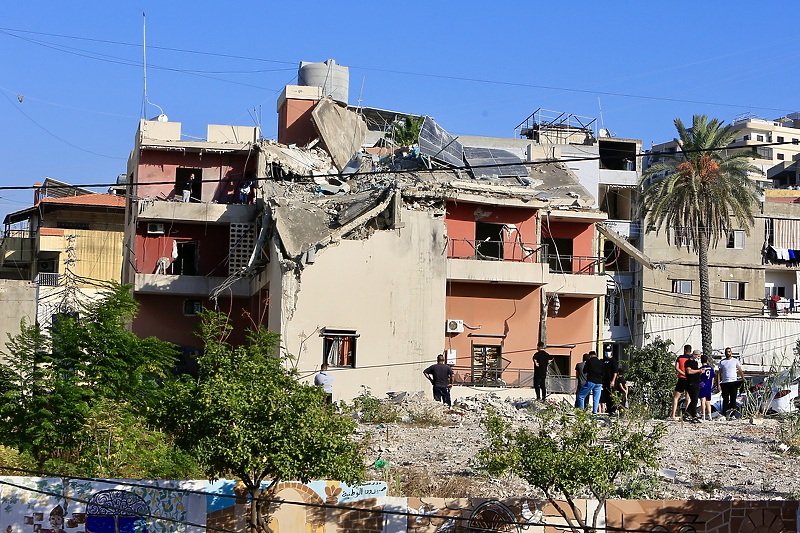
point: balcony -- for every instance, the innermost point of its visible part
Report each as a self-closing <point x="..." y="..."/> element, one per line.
<point x="206" y="213"/>
<point x="187" y="285"/>
<point x="528" y="263"/>
<point x="496" y="261"/>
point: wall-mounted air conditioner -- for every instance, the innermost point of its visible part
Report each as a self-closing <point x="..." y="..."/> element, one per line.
<point x="47" y="265"/>
<point x="155" y="228"/>
<point x="454" y="326"/>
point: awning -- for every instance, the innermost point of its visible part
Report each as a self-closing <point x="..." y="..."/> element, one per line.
<point x="620" y="241"/>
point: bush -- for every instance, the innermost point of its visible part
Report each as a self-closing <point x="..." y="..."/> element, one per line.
<point x="651" y="377"/>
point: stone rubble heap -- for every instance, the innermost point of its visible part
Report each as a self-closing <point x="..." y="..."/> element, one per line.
<point x="738" y="459"/>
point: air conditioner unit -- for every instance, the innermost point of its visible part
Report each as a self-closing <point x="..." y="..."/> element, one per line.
<point x="454" y="326"/>
<point x="47" y="266"/>
<point x="154" y="228"/>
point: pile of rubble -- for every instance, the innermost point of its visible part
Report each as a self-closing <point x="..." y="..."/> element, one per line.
<point x="432" y="455"/>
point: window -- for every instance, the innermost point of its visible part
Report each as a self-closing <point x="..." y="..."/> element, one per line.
<point x="185" y="182"/>
<point x="69" y="224"/>
<point x="339" y="347"/>
<point x="759" y="137"/>
<point x="487" y="365"/>
<point x="746" y="138"/>
<point x="489" y="240"/>
<point x="781" y="156"/>
<point x="682" y="236"/>
<point x="779" y="139"/>
<point x="682" y="286"/>
<point x="559" y="251"/>
<point x="734" y="290"/>
<point x="186" y="262"/>
<point x="736" y="239"/>
<point x="192" y="307"/>
<point x="795" y="141"/>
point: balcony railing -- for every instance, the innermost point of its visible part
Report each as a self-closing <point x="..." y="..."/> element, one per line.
<point x="510" y="378"/>
<point x="490" y="250"/>
<point x="575" y="264"/>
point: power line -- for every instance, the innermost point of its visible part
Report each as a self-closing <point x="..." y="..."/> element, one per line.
<point x="408" y="73"/>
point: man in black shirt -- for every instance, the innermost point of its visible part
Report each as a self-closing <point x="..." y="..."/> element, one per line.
<point x="541" y="360"/>
<point x="441" y="377"/>
<point x="594" y="382"/>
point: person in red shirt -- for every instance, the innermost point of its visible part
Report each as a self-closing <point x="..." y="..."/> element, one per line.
<point x="680" y="386"/>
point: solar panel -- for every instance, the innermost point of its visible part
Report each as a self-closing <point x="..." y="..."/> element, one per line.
<point x="440" y="145"/>
<point x="489" y="163"/>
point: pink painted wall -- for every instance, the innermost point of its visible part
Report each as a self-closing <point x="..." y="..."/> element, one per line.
<point x="581" y="234"/>
<point x="461" y="218"/>
<point x="294" y="122"/>
<point x="220" y="173"/>
<point x="162" y="316"/>
<point x="512" y="310"/>
<point x="573" y="325"/>
<point x="212" y="242"/>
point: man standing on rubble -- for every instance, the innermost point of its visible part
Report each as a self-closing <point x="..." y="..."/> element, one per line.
<point x="441" y="377"/>
<point x="541" y="360"/>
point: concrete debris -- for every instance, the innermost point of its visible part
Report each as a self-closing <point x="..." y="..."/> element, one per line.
<point x="713" y="460"/>
<point x="342" y="131"/>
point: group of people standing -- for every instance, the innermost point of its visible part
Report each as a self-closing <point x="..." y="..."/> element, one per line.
<point x="696" y="380"/>
<point x="604" y="380"/>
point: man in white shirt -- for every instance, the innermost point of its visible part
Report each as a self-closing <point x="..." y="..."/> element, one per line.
<point x="325" y="380"/>
<point x="729" y="377"/>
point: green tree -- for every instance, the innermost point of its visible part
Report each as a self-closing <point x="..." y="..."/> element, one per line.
<point x="651" y="374"/>
<point x="54" y="378"/>
<point x="405" y="132"/>
<point x="247" y="415"/>
<point x="697" y="194"/>
<point x="570" y="455"/>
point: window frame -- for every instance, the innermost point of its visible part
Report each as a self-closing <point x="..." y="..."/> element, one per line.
<point x="678" y="286"/>
<point x="735" y="239"/>
<point x="344" y="342"/>
<point x="733" y="290"/>
<point x="192" y="307"/>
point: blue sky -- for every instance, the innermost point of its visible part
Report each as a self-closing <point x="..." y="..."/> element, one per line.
<point x="478" y="68"/>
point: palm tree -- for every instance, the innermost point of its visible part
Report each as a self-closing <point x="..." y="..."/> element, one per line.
<point x="697" y="194"/>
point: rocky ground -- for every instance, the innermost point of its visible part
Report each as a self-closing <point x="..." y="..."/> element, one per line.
<point x="423" y="449"/>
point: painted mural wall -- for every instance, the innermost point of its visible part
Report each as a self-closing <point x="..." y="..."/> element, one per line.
<point x="55" y="505"/>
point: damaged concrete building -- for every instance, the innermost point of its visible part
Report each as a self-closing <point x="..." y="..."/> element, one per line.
<point x="371" y="264"/>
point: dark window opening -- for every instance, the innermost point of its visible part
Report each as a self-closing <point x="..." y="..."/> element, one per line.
<point x="781" y="156"/>
<point x="616" y="155"/>
<point x="560" y="254"/>
<point x="339" y="347"/>
<point x="186" y="262"/>
<point x="779" y="139"/>
<point x="184" y="182"/>
<point x="487" y="365"/>
<point x="489" y="240"/>
<point x="192" y="307"/>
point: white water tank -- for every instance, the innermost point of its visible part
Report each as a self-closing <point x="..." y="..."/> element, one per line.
<point x="334" y="79"/>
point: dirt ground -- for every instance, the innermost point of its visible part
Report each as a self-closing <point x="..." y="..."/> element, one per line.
<point x="428" y="451"/>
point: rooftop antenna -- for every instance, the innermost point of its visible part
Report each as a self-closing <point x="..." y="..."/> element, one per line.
<point x="161" y="117"/>
<point x="360" y="93"/>
<point x="602" y="122"/>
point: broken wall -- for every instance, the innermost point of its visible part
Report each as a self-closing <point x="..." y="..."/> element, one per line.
<point x="389" y="288"/>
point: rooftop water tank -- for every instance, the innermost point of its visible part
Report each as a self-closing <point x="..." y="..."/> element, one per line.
<point x="334" y="79"/>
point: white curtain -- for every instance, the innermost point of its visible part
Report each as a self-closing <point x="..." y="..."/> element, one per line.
<point x="786" y="233"/>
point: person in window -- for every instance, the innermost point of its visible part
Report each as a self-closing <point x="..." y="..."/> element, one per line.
<point x="441" y="377"/>
<point x="244" y="191"/>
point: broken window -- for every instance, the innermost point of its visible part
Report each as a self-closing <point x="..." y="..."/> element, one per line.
<point x="186" y="262"/>
<point x="487" y="365"/>
<point x="489" y="240"/>
<point x="185" y="182"/>
<point x="339" y="347"/>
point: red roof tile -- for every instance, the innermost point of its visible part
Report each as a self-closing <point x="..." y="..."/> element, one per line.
<point x="98" y="199"/>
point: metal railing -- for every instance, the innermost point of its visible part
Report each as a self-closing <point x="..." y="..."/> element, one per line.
<point x="575" y="264"/>
<point x="513" y="378"/>
<point x="496" y="250"/>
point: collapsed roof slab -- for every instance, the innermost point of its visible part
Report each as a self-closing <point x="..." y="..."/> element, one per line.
<point x="299" y="225"/>
<point x="342" y="131"/>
